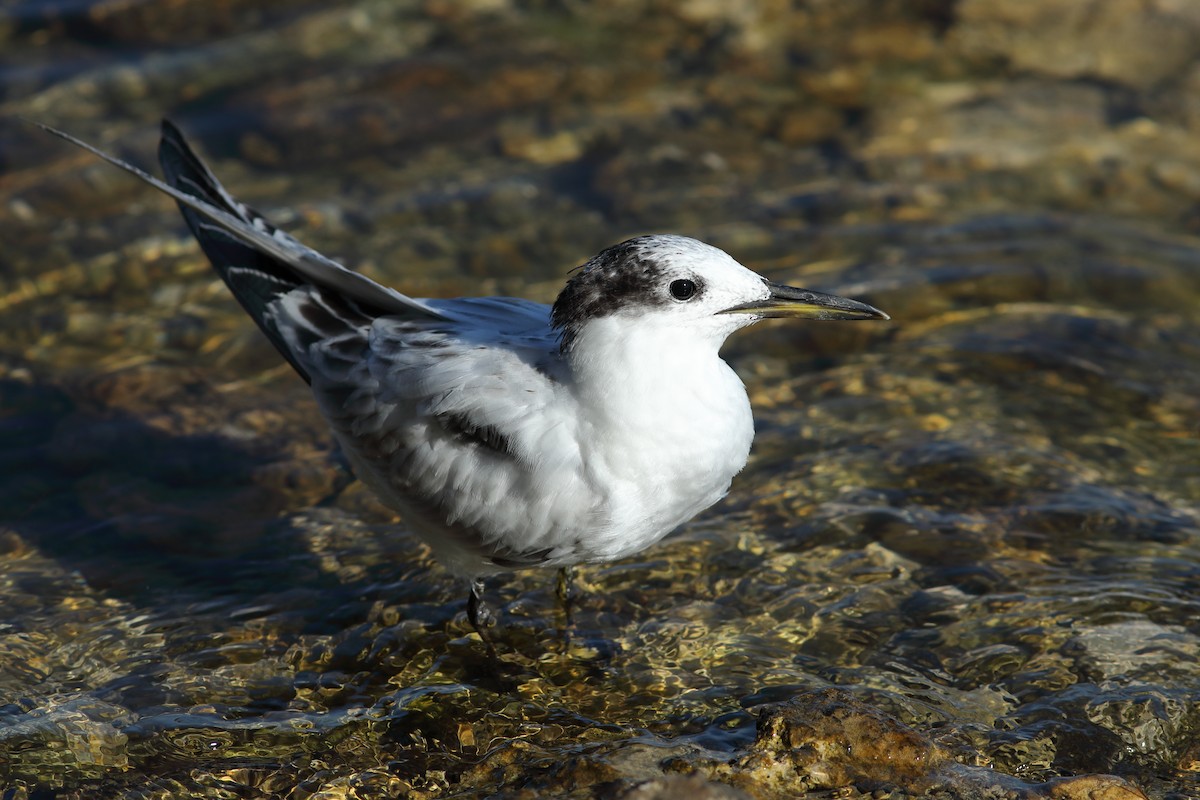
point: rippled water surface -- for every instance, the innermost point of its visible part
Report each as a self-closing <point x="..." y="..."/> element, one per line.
<point x="979" y="520"/>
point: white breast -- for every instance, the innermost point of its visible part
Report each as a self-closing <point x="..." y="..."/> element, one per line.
<point x="666" y="426"/>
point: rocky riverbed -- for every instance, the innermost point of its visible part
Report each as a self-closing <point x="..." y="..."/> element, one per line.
<point x="963" y="562"/>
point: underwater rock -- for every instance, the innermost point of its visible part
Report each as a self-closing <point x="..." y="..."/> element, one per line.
<point x="681" y="787"/>
<point x="1130" y="42"/>
<point x="828" y="739"/>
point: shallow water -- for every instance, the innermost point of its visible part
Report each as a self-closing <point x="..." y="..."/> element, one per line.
<point x="982" y="518"/>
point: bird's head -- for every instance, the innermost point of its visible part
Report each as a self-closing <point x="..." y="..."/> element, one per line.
<point x="677" y="282"/>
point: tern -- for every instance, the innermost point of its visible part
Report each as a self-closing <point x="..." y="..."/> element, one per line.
<point x="507" y="433"/>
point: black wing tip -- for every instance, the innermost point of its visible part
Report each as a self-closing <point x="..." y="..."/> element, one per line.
<point x="172" y="139"/>
<point x="172" y="135"/>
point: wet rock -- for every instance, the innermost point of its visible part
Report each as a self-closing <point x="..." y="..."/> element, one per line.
<point x="1127" y="41"/>
<point x="1022" y="121"/>
<point x="78" y="733"/>
<point x="511" y="762"/>
<point x="524" y="142"/>
<point x="160" y="21"/>
<point x="1133" y="650"/>
<point x="679" y="787"/>
<point x="1149" y="720"/>
<point x="1090" y="787"/>
<point x="1033" y="141"/>
<point x="830" y="740"/>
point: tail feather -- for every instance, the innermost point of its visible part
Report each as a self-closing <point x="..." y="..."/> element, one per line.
<point x="184" y="170"/>
<point x="221" y="221"/>
<point x="256" y="278"/>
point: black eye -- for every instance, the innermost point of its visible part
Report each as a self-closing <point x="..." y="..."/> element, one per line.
<point x="683" y="289"/>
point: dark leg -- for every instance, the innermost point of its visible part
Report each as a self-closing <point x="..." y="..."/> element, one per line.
<point x="479" y="615"/>
<point x="565" y="591"/>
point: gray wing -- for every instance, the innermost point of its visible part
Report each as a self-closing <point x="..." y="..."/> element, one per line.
<point x="464" y="429"/>
<point x="511" y="316"/>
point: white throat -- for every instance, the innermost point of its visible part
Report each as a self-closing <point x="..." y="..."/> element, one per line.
<point x="668" y="421"/>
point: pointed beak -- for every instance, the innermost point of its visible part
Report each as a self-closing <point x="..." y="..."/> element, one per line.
<point x="788" y="301"/>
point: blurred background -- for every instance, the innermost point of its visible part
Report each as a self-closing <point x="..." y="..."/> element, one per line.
<point x="980" y="518"/>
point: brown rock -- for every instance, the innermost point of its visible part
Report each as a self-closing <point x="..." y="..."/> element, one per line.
<point x="1092" y="787"/>
<point x="828" y="739"/>
<point x="681" y="787"/>
<point x="1131" y="42"/>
